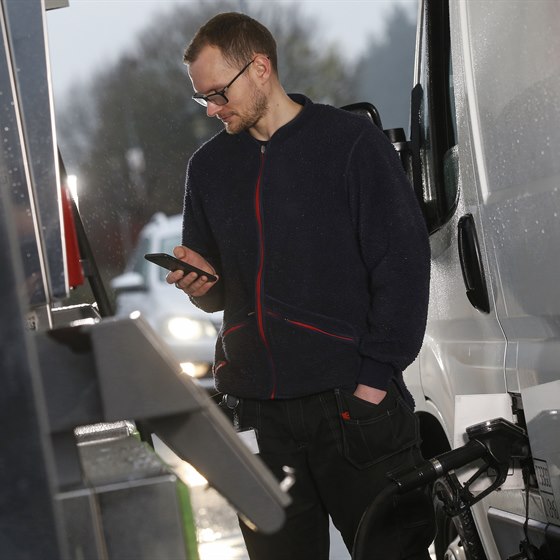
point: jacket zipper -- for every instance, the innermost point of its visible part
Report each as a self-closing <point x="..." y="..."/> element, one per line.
<point x="259" y="281"/>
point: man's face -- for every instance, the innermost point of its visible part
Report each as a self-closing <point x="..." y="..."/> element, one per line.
<point x="246" y="104"/>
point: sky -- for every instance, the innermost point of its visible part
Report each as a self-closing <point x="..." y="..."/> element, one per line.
<point x="91" y="33"/>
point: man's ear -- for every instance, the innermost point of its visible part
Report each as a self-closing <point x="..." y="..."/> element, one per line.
<point x="262" y="67"/>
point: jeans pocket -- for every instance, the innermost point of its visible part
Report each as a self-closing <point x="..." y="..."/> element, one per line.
<point x="372" y="433"/>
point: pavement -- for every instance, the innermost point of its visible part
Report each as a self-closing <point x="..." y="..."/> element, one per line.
<point x="217" y="528"/>
<point x="219" y="536"/>
<point x="218" y="533"/>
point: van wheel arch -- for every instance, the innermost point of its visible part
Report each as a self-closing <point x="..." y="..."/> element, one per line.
<point x="434" y="440"/>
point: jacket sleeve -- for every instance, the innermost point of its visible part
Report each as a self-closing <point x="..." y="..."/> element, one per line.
<point x="394" y="245"/>
<point x="197" y="235"/>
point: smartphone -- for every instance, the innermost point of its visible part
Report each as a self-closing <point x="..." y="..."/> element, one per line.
<point x="171" y="263"/>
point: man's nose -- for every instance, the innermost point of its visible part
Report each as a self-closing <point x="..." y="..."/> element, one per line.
<point x="212" y="109"/>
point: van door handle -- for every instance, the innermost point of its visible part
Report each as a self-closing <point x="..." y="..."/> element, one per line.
<point x="471" y="264"/>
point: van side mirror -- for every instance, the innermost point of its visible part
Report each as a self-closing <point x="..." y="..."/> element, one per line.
<point x="396" y="136"/>
<point x="367" y="110"/>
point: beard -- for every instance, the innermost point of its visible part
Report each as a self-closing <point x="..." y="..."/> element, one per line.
<point x="248" y="118"/>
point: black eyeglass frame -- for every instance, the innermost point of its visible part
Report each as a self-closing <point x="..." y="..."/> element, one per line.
<point x="220" y="96"/>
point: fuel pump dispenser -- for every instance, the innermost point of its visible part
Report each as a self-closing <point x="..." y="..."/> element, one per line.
<point x="77" y="383"/>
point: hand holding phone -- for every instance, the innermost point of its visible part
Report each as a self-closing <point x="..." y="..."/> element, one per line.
<point x="169" y="262"/>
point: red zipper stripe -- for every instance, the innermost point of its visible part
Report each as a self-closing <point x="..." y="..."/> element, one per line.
<point x="258" y="288"/>
<point x="260" y="321"/>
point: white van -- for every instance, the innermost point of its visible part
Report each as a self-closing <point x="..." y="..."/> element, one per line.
<point x="189" y="332"/>
<point x="485" y="139"/>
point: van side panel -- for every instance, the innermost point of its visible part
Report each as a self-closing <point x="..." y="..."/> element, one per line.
<point x="505" y="84"/>
<point x="516" y="77"/>
<point x="464" y="349"/>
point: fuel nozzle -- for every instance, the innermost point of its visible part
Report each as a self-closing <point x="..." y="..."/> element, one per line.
<point x="494" y="443"/>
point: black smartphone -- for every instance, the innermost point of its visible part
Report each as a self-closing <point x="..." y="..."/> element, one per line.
<point x="171" y="263"/>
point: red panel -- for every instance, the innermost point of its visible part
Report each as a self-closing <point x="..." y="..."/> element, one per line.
<point x="75" y="270"/>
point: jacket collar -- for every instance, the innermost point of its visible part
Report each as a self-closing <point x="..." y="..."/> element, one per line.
<point x="295" y="124"/>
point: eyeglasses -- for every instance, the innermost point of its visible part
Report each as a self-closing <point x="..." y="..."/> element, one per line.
<point x="219" y="97"/>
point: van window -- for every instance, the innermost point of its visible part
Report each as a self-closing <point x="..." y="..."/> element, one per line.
<point x="166" y="245"/>
<point x="137" y="262"/>
<point x="517" y="98"/>
<point x="433" y="122"/>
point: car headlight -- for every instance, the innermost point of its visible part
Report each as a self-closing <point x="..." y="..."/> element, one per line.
<point x="195" y="369"/>
<point x="184" y="328"/>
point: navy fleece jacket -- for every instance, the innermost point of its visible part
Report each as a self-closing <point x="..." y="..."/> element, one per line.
<point x="322" y="254"/>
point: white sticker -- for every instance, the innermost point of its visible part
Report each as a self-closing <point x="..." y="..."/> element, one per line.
<point x="249" y="438"/>
<point x="546" y="491"/>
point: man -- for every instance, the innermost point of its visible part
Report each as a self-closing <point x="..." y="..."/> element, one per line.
<point x="305" y="215"/>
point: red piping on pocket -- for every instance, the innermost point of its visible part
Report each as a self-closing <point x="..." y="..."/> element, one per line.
<point x="219" y="365"/>
<point x="234" y="328"/>
<point x="316" y="329"/>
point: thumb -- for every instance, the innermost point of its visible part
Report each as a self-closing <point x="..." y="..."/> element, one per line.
<point x="180" y="251"/>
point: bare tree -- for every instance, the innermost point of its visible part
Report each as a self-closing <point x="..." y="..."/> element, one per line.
<point x="130" y="131"/>
<point x="386" y="69"/>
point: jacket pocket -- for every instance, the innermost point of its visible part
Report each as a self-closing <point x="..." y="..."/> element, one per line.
<point x="241" y="366"/>
<point x="306" y="344"/>
<point x="304" y="321"/>
<point x="235" y="339"/>
<point x="372" y="433"/>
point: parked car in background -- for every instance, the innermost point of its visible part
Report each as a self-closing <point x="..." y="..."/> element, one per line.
<point x="189" y="332"/>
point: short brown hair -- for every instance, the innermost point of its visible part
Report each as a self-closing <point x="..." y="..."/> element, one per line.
<point x="238" y="37"/>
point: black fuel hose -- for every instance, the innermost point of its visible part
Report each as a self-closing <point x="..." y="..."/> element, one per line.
<point x="425" y="474"/>
<point x="375" y="512"/>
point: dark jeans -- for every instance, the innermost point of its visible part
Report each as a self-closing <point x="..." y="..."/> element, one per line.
<point x="341" y="449"/>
